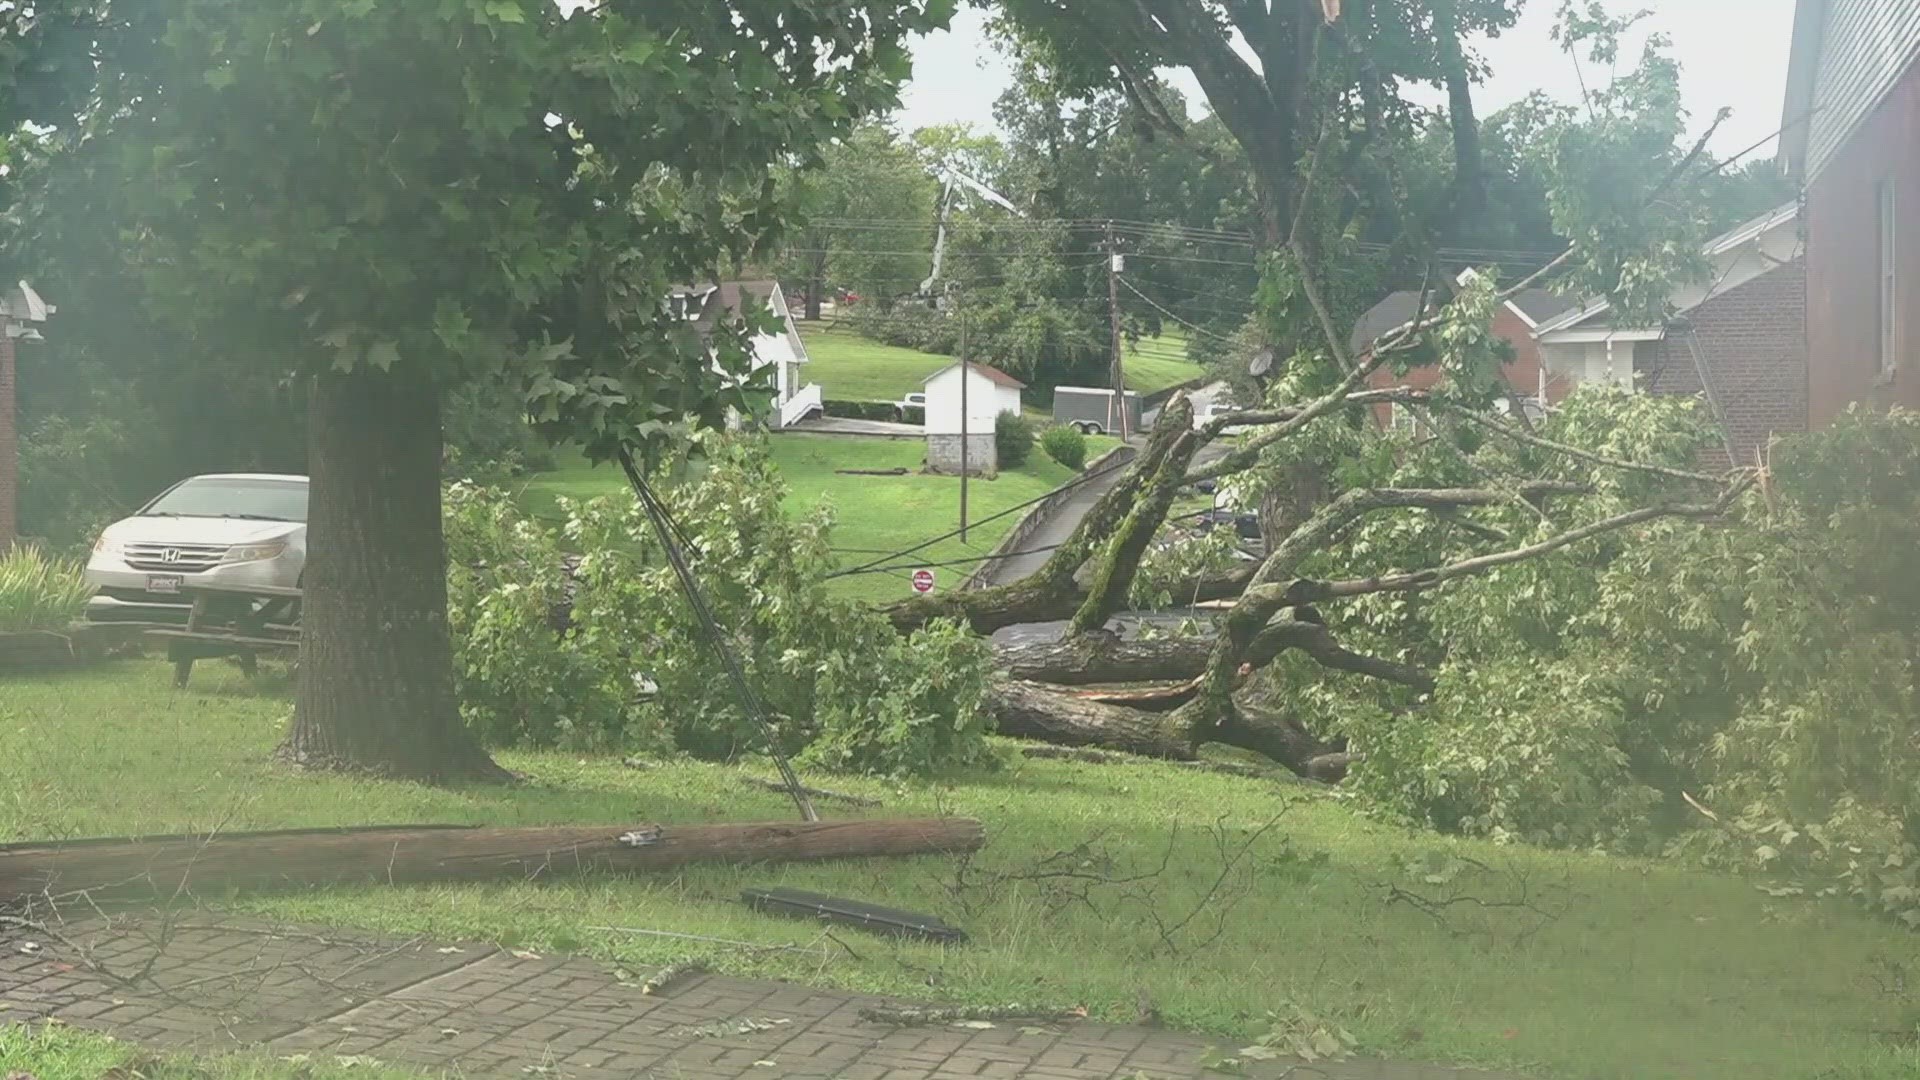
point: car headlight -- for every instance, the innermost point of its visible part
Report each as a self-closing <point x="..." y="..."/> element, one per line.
<point x="254" y="552"/>
<point x="104" y="546"/>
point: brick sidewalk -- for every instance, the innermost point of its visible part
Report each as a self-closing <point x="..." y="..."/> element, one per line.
<point x="205" y="982"/>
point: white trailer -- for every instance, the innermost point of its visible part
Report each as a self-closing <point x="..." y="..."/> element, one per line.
<point x="1091" y="409"/>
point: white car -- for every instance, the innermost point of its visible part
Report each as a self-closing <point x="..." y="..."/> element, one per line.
<point x="222" y="528"/>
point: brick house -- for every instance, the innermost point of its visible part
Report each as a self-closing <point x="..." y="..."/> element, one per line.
<point x="1851" y="139"/>
<point x="1513" y="322"/>
<point x="1737" y="340"/>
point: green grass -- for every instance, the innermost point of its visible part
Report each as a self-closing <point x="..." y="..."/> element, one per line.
<point x="1154" y="364"/>
<point x="851" y="367"/>
<point x="1634" y="970"/>
<point x="873" y="514"/>
<point x="58" y="1053"/>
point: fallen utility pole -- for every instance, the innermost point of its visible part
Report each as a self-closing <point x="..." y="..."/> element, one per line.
<point x="425" y="854"/>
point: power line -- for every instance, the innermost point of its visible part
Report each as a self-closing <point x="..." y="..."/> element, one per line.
<point x="1157" y="307"/>
<point x="673" y="542"/>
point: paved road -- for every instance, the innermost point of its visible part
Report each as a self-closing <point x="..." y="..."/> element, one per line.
<point x="475" y="1010"/>
<point x="1055" y="529"/>
<point x="1060" y="525"/>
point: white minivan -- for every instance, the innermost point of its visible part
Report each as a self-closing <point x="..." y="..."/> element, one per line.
<point x="223" y="528"/>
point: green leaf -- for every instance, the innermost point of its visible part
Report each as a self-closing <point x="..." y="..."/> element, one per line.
<point x="505" y="11"/>
<point x="383" y="354"/>
<point x="220" y="77"/>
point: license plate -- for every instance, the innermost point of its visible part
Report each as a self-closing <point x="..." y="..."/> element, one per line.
<point x="168" y="584"/>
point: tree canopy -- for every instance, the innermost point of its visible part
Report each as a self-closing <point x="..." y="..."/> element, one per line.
<point x="393" y="199"/>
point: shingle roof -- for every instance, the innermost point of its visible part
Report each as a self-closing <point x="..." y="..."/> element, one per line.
<point x="1542" y="304"/>
<point x="1397" y="310"/>
<point x="727" y="298"/>
<point x="991" y="372"/>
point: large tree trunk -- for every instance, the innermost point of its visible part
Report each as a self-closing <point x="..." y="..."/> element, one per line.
<point x="1030" y="711"/>
<point x="816" y="283"/>
<point x="376" y="663"/>
<point x="179" y="865"/>
<point x="1026" y="710"/>
<point x="1034" y="601"/>
<point x="1103" y="657"/>
<point x="1116" y="566"/>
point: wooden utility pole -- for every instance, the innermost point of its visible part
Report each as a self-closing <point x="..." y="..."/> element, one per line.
<point x="9" y="444"/>
<point x="20" y="308"/>
<point x="966" y="376"/>
<point x="1116" y="262"/>
<point x="427" y="854"/>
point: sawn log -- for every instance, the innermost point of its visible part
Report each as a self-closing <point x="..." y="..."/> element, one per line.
<point x="183" y="865"/>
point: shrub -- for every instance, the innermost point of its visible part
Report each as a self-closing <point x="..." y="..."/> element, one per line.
<point x="1066" y="445"/>
<point x="1759" y="666"/>
<point x="1013" y="439"/>
<point x="842" y="686"/>
<point x="873" y="410"/>
<point x="522" y="681"/>
<point x="38" y="592"/>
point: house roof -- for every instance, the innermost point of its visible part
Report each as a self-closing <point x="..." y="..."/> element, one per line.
<point x="999" y="377"/>
<point x="728" y="298"/>
<point x="1731" y="240"/>
<point x="1534" y="306"/>
<point x="1847" y="57"/>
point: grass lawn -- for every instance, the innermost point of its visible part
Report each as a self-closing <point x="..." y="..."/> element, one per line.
<point x="59" y="1053"/>
<point x="1613" y="969"/>
<point x="1156" y="363"/>
<point x="874" y="514"/>
<point x="850" y="367"/>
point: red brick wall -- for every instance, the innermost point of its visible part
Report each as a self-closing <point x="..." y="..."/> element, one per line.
<point x="1752" y="340"/>
<point x="1841" y="220"/>
<point x="9" y="448"/>
<point x="1523" y="374"/>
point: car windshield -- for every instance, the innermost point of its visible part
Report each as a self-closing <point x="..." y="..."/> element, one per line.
<point x="233" y="497"/>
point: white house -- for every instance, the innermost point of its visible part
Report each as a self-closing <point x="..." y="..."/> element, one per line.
<point x="1582" y="344"/>
<point x="989" y="392"/>
<point x="794" y="397"/>
<point x="1737" y="340"/>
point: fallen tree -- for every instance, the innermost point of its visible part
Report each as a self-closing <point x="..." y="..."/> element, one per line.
<point x="167" y="866"/>
<point x="1370" y="528"/>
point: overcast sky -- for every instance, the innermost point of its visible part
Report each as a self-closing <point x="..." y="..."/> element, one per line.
<point x="1734" y="53"/>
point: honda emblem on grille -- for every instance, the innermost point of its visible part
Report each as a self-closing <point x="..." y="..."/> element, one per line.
<point x="170" y="555"/>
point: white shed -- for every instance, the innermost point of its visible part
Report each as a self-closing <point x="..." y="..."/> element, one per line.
<point x="990" y="392"/>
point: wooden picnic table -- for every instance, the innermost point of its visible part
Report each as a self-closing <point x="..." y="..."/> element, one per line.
<point x="231" y="620"/>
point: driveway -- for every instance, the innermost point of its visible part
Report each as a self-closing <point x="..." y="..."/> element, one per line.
<point x="840" y="425"/>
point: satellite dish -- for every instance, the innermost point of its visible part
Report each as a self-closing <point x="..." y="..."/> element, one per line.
<point x="1261" y="363"/>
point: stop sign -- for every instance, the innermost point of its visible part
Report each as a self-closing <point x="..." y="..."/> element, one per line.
<point x="923" y="581"/>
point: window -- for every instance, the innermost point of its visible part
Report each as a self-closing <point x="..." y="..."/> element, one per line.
<point x="1889" y="268"/>
<point x="247" y="497"/>
<point x="1406" y="420"/>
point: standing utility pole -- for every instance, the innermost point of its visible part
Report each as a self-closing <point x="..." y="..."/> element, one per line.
<point x="20" y="308"/>
<point x="1116" y="263"/>
<point x="9" y="444"/>
<point x="966" y="376"/>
